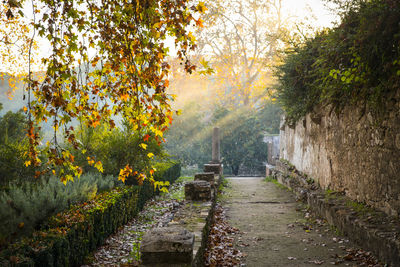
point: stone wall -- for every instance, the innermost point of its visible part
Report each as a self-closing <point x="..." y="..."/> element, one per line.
<point x="354" y="152"/>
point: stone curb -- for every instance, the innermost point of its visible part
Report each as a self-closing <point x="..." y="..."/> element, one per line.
<point x="370" y="228"/>
<point x="200" y="229"/>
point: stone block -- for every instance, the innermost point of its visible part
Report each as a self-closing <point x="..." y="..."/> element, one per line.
<point x="167" y="245"/>
<point x="215" y="168"/>
<point x="269" y="170"/>
<point x="198" y="190"/>
<point x="206" y="176"/>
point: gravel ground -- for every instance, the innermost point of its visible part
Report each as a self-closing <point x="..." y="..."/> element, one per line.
<point x="122" y="248"/>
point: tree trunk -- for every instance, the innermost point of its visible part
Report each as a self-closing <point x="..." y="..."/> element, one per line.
<point x="235" y="170"/>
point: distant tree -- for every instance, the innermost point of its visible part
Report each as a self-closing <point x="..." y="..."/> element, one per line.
<point x="12" y="127"/>
<point x="242" y="145"/>
<point x="13" y="147"/>
<point x="188" y="138"/>
<point x="242" y="39"/>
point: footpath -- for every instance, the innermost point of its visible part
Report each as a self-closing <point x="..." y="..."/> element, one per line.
<point x="275" y="230"/>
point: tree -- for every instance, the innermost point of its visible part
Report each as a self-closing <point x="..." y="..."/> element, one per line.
<point x="107" y="59"/>
<point x="188" y="139"/>
<point x="13" y="146"/>
<point x="241" y="39"/>
<point x="242" y="146"/>
<point x="16" y="45"/>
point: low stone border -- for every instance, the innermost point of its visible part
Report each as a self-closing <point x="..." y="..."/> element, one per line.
<point x="196" y="217"/>
<point x="372" y="229"/>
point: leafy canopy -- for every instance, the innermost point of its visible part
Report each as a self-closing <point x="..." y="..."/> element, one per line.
<point x="107" y="60"/>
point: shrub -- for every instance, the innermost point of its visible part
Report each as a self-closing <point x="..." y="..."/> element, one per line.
<point x="24" y="208"/>
<point x="71" y="235"/>
<point x="356" y="62"/>
<point x="115" y="148"/>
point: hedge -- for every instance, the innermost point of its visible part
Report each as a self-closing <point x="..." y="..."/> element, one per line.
<point x="70" y="236"/>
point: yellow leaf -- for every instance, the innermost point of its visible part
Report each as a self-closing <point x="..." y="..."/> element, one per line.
<point x="150" y="155"/>
<point x="27" y="163"/>
<point x="99" y="166"/>
<point x="144" y="146"/>
<point x="69" y="177"/>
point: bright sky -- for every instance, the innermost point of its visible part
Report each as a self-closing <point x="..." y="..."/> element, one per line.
<point x="297" y="8"/>
<point x="301" y="8"/>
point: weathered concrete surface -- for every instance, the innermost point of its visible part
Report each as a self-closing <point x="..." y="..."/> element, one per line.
<point x="167" y="245"/>
<point x="274" y="233"/>
<point x="368" y="227"/>
<point x="198" y="190"/>
<point x="206" y="176"/>
<point x="355" y="152"/>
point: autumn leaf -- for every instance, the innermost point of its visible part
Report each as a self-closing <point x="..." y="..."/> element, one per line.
<point x="146" y="137"/>
<point x="144" y="146"/>
<point x="99" y="166"/>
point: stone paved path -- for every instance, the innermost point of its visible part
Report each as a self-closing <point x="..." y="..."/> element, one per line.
<point x="274" y="230"/>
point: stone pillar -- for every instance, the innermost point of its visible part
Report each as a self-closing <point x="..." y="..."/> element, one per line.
<point x="270" y="152"/>
<point x="215" y="146"/>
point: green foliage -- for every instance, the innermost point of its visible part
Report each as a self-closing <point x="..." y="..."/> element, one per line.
<point x="13" y="145"/>
<point x="116" y="148"/>
<point x="356" y="62"/>
<point x="179" y="194"/>
<point x="25" y="207"/>
<point x="241" y="132"/>
<point x="186" y="139"/>
<point x="358" y="207"/>
<point x="279" y="185"/>
<point x="242" y="143"/>
<point x="135" y="253"/>
<point x="71" y="235"/>
<point x="12" y="127"/>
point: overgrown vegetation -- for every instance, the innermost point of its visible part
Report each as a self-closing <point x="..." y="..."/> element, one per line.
<point x="355" y="62"/>
<point x="115" y="148"/>
<point x="13" y="145"/>
<point x="26" y="207"/>
<point x="270" y="179"/>
<point x="66" y="238"/>
<point x="241" y="132"/>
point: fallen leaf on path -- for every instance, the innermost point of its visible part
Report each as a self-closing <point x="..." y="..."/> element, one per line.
<point x="317" y="262"/>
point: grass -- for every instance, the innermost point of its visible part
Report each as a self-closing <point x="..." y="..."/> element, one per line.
<point x="271" y="179"/>
<point x="359" y="207"/>
<point x="135" y="253"/>
<point x="178" y="192"/>
<point x="224" y="189"/>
